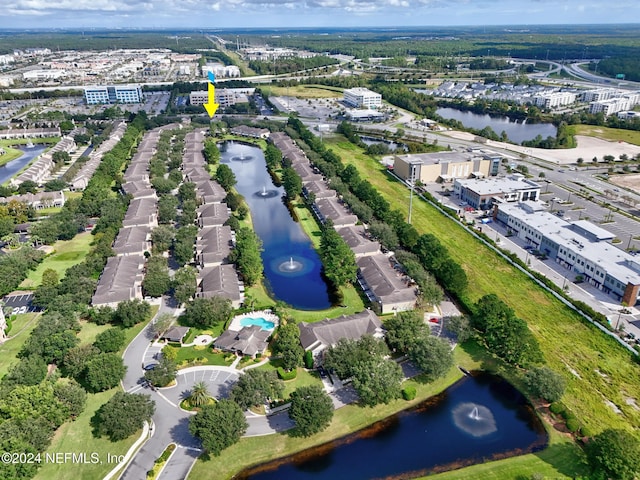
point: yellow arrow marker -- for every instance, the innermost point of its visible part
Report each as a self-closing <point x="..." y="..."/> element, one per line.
<point x="211" y="105"/>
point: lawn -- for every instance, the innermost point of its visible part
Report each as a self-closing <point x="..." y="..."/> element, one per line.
<point x="606" y="133"/>
<point x="89" y="331"/>
<point x="303" y="378"/>
<point x="597" y="369"/>
<point x="21" y="328"/>
<point x="9" y="155"/>
<point x="188" y="354"/>
<point x="76" y="437"/>
<point x="67" y="253"/>
<point x="304" y="91"/>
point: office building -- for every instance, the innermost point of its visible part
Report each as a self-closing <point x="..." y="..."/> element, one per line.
<point x="482" y="194"/>
<point x="581" y="246"/>
<point x="446" y="166"/>
<point x="360" y="97"/>
<point x="113" y="94"/>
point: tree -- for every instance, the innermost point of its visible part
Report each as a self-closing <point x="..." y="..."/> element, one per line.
<point x="28" y="186"/>
<point x="163" y="374"/>
<point x="131" y="312"/>
<point x="207" y="312"/>
<point x="375" y="377"/>
<point x="615" y="454"/>
<point x="403" y="329"/>
<point x="72" y="396"/>
<point x="311" y="409"/>
<point x="185" y="283"/>
<point x="123" y="415"/>
<point x="385" y="234"/>
<point x="110" y="340"/>
<point x="225" y="177"/>
<point x="292" y="183"/>
<point x="460" y="326"/>
<point x="199" y="396"/>
<point x="287" y="345"/>
<point x="160" y="324"/>
<point x="76" y="358"/>
<point x="218" y="426"/>
<point x="101" y="315"/>
<point x="29" y="370"/>
<point x="167" y="208"/>
<point x="156" y="280"/>
<point x="55" y="185"/>
<point x="246" y="255"/>
<point x="104" y="371"/>
<point x="432" y="355"/>
<point x="27" y="402"/>
<point x="256" y="387"/>
<point x="338" y="259"/>
<point x="545" y="383"/>
<point x="162" y="238"/>
<point x="61" y="157"/>
<point x="211" y="152"/>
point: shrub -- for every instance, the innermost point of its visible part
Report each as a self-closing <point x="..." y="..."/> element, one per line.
<point x="573" y="425"/>
<point x="557" y="408"/>
<point x="586" y="431"/>
<point x="284" y="375"/>
<point x="409" y="393"/>
<point x="568" y="415"/>
<point x="308" y="359"/>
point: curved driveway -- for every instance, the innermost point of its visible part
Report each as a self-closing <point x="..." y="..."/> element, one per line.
<point x="170" y="423"/>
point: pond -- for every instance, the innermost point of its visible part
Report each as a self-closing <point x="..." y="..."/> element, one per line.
<point x="516" y="131"/>
<point x="481" y="417"/>
<point x="392" y="146"/>
<point x="14" y="166"/>
<point x="292" y="268"/>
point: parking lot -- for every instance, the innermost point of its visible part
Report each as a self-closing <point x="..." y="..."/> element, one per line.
<point x="19" y="302"/>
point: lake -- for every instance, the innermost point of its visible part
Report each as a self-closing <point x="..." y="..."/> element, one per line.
<point x="13" y="167"/>
<point x="292" y="267"/>
<point x="481" y="417"/>
<point x="516" y="131"/>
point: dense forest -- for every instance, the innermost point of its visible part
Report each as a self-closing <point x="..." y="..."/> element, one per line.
<point x="288" y="65"/>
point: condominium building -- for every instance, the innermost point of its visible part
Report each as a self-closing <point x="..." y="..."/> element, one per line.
<point x="113" y="94"/>
<point x="555" y="99"/>
<point x="362" y="98"/>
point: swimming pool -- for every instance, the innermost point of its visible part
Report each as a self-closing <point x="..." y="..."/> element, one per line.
<point x="261" y="322"/>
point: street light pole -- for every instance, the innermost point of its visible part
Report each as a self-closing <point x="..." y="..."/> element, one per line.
<point x="411" y="195"/>
<point x="618" y="321"/>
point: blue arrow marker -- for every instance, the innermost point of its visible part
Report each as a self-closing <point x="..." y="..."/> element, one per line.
<point x="212" y="77"/>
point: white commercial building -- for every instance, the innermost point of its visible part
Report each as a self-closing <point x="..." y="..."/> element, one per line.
<point x="113" y="94"/>
<point x="581" y="246"/>
<point x="362" y="97"/>
<point x="223" y="96"/>
<point x="482" y="194"/>
<point x="220" y="70"/>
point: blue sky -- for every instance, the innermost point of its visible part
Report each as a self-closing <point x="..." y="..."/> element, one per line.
<point x="310" y="13"/>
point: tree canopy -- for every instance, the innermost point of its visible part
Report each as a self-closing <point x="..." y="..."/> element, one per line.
<point x="256" y="387"/>
<point x="218" y="425"/>
<point x="615" y="453"/>
<point x="375" y="377"/>
<point x="207" y="312"/>
<point x="311" y="409"/>
<point x="545" y="383"/>
<point x="287" y="345"/>
<point x="338" y="259"/>
<point x="123" y="415"/>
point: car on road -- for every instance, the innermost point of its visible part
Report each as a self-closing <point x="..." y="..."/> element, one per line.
<point x="151" y="366"/>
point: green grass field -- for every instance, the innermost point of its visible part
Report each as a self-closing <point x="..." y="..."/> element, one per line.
<point x="597" y="369"/>
<point x="303" y="378"/>
<point x="187" y="354"/>
<point x="20" y="330"/>
<point x="606" y="133"/>
<point x="9" y="155"/>
<point x="76" y="437"/>
<point x="67" y="253"/>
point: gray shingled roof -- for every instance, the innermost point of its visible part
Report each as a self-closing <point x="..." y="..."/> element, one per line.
<point x="327" y="332"/>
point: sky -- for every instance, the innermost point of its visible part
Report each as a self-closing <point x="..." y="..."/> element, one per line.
<point x="309" y="13"/>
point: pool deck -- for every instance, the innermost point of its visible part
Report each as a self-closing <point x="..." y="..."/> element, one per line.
<point x="266" y="314"/>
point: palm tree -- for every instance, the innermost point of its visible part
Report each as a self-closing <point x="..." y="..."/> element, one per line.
<point x="199" y="395"/>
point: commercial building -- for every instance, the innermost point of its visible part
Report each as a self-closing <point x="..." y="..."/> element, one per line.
<point x="362" y="98"/>
<point x="581" y="247"/>
<point x="220" y="70"/>
<point x="446" y="166"/>
<point x="482" y="194"/>
<point x="113" y="94"/>
<point x="224" y="97"/>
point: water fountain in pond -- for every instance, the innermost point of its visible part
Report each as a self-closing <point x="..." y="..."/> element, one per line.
<point x="290" y="266"/>
<point x="241" y="158"/>
<point x="476" y="420"/>
<point x="264" y="193"/>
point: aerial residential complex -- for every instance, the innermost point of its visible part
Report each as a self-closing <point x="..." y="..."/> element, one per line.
<point x="580" y="246"/>
<point x="113" y="94"/>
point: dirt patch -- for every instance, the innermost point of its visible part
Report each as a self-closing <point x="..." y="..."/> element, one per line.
<point x="613" y="406"/>
<point x="632" y="402"/>
<point x="632" y="182"/>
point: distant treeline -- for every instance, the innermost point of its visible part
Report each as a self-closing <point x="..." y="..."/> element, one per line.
<point x="288" y="65"/>
<point x="628" y="66"/>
